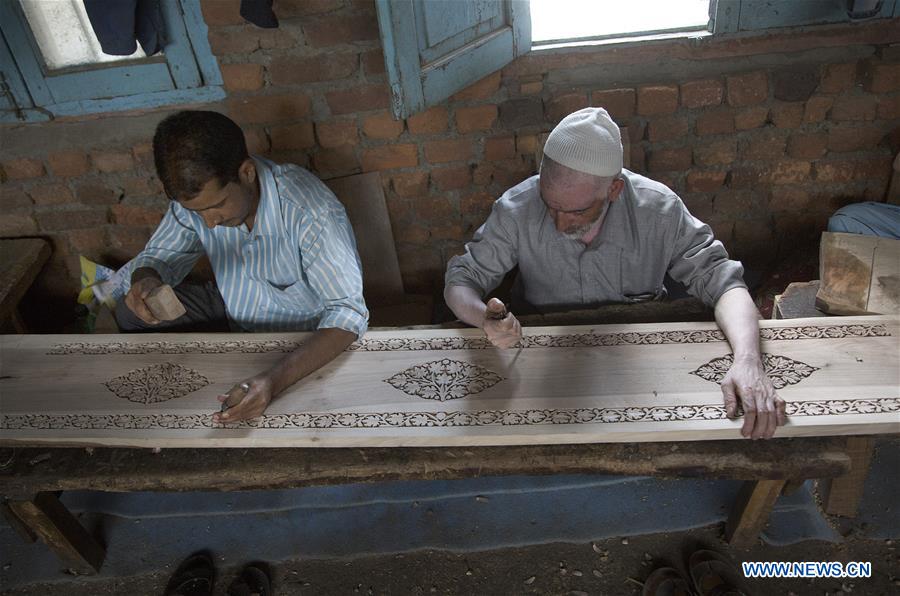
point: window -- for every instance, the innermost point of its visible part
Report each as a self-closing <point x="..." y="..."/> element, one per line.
<point x="583" y="21"/>
<point x="51" y="66"/>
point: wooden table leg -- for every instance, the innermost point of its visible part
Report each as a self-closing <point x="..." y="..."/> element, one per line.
<point x="49" y="519"/>
<point x="842" y="495"/>
<point x="751" y="510"/>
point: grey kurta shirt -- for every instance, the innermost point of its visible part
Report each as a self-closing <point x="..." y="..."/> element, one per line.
<point x="647" y="233"/>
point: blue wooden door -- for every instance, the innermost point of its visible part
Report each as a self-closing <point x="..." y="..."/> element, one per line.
<point x="434" y="48"/>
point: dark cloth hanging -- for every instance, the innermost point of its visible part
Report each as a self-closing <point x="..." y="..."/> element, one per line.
<point x="259" y="12"/>
<point x="120" y="23"/>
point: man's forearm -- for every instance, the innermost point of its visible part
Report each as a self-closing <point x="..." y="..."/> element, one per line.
<point x="323" y="347"/>
<point x="738" y="318"/>
<point x="466" y="304"/>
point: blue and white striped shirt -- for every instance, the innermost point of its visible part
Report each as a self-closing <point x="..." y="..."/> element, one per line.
<point x="297" y="270"/>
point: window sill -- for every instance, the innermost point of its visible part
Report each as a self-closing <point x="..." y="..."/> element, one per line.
<point x="623" y="41"/>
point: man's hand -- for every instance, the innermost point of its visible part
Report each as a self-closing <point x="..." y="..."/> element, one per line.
<point x="501" y="327"/>
<point x="763" y="409"/>
<point x="248" y="404"/>
<point x="141" y="286"/>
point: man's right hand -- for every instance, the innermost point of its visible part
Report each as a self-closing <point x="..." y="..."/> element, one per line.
<point x="500" y="326"/>
<point x="141" y="286"/>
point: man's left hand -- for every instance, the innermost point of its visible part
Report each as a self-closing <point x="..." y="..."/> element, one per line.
<point x="253" y="403"/>
<point x="763" y="409"/>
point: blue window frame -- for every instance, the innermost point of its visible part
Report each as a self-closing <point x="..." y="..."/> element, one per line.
<point x="185" y="72"/>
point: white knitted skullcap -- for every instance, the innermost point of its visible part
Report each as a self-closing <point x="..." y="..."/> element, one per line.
<point x="587" y="141"/>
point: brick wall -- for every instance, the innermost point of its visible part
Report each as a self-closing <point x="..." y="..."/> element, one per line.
<point x="762" y="136"/>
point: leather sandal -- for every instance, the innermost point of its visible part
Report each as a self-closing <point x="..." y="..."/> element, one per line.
<point x="194" y="577"/>
<point x="253" y="581"/>
<point x="714" y="574"/>
<point x="666" y="581"/>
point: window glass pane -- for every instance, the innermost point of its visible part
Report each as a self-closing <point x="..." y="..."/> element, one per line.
<point x="567" y="19"/>
<point x="64" y="34"/>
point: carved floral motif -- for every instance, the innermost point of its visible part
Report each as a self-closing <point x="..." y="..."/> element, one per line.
<point x="444" y="379"/>
<point x="156" y="383"/>
<point x="783" y="371"/>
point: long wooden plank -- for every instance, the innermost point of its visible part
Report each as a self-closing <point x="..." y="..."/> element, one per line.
<point x="616" y="383"/>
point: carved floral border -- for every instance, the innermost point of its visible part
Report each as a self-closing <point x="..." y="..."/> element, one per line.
<point x="349" y="420"/>
<point x="251" y="346"/>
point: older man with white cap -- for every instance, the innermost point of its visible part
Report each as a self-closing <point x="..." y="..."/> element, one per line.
<point x="586" y="231"/>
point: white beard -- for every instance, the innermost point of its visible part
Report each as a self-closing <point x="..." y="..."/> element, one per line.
<point x="582" y="230"/>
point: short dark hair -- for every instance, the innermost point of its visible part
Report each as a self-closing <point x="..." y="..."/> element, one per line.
<point x="192" y="147"/>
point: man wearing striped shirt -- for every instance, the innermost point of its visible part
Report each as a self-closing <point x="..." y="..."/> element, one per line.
<point x="279" y="242"/>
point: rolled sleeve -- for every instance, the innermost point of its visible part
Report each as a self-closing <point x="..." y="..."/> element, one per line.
<point x="700" y="262"/>
<point x="173" y="249"/>
<point x="492" y="253"/>
<point x="331" y="264"/>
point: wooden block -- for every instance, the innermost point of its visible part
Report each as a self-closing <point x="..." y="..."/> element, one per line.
<point x="21" y="260"/>
<point x="579" y="384"/>
<point x="859" y="274"/>
<point x="797" y="301"/>
<point x="363" y="197"/>
<point x="842" y="495"/>
<point x="164" y="304"/>
<point x="16" y="523"/>
<point x="750" y="511"/>
<point x="58" y="528"/>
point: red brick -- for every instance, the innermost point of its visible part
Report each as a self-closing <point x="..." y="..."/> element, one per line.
<point x="526" y="144"/>
<point x="22" y="168"/>
<point x="373" y="62"/>
<point x="411" y="232"/>
<point x="15" y="225"/>
<point x="816" y="109"/>
<point x="331" y="31"/>
<point x="472" y="118"/>
<point x="286" y="137"/>
<point x="847" y="171"/>
<point x="67" y="164"/>
<point x="788" y="115"/>
<point x="749" y="118"/>
<point x="738" y="204"/>
<point x="276" y="39"/>
<point x="884" y="78"/>
<point x="498" y="148"/>
<point x="242" y="77"/>
<point x="431" y="121"/>
<point x="700" y="205"/>
<point x="452" y="178"/>
<point x="337" y="132"/>
<point x="532" y="88"/>
<point x="838" y="78"/>
<point x="788" y="199"/>
<point x="245" y="41"/>
<point x="479" y="204"/>
<point x="50" y="194"/>
<point x="94" y="192"/>
<point x="358" y="99"/>
<point x="89" y="242"/>
<point x="483" y="89"/>
<point x="748" y="89"/>
<point x="289" y="9"/>
<point x="140" y="186"/>
<point x="715" y="122"/>
<point x="850" y="137"/>
<point x="561" y="106"/>
<point x="807" y="145"/>
<point x="667" y="128"/>
<point x="659" y="99"/>
<point x="14" y="200"/>
<point x="662" y="160"/>
<point x="221" y="12"/>
<point x="483" y="173"/>
<point x="262" y="109"/>
<point x="143" y="156"/>
<point x="57" y="220"/>
<point x="620" y="103"/>
<point x="312" y="69"/>
<point x="410" y="184"/>
<point x="382" y="126"/>
<point x="788" y="172"/>
<point x="766" y="144"/>
<point x="136" y="215"/>
<point x="715" y="152"/>
<point x="510" y="172"/>
<point x="337" y="161"/>
<point x="700" y="94"/>
<point x="889" y="107"/>
<point x="705" y="181"/>
<point x="449" y="150"/>
<point x="859" y="107"/>
<point x="109" y="162"/>
<point x="389" y="157"/>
